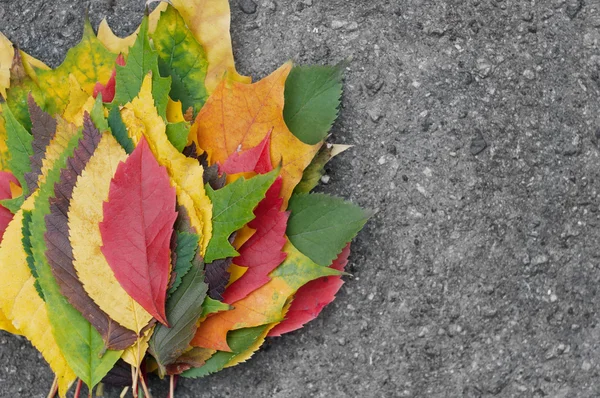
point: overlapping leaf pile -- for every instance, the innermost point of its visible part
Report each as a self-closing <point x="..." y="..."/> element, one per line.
<point x="155" y="211"/>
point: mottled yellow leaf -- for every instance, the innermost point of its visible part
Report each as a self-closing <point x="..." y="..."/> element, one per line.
<point x="238" y="116"/>
<point x="186" y="173"/>
<point x="209" y="21"/>
<point x="174" y="112"/>
<point x="64" y="132"/>
<point x="79" y="102"/>
<point x="134" y="354"/>
<point x="135" y="127"/>
<point x="118" y="45"/>
<point x="21" y="303"/>
<point x="85" y="214"/>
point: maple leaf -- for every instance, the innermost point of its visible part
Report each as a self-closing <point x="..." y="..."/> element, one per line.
<point x="141" y="197"/>
<point x="312" y="99"/>
<point x="108" y="90"/>
<point x="236" y="116"/>
<point x="262" y="253"/>
<point x="232" y="209"/>
<point x="184" y="308"/>
<point x="60" y="253"/>
<point x="43" y="129"/>
<point x="182" y="58"/>
<point x="311" y="298"/>
<point x="209" y="21"/>
<point x="265" y="304"/>
<point x="6" y="178"/>
<point x="89" y="62"/>
<point x="320" y="226"/>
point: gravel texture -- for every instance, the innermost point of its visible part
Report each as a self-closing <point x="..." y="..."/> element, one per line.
<point x="476" y="126"/>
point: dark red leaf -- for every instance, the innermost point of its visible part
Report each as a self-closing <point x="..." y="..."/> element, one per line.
<point x="311" y="298"/>
<point x="257" y="159"/>
<point x="60" y="253"/>
<point x="217" y="277"/>
<point x="137" y="227"/>
<point x="6" y="178"/>
<point x="108" y="90"/>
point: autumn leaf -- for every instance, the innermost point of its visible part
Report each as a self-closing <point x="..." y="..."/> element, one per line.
<point x="119" y="130"/>
<point x="320" y="226"/>
<point x="212" y="306"/>
<point x="43" y="129"/>
<point x="209" y="21"/>
<point x="316" y="169"/>
<point x="232" y="209"/>
<point x="262" y="253"/>
<point x="182" y="58"/>
<point x="184" y="308"/>
<point x="89" y="62"/>
<point x="142" y="199"/>
<point x="264" y="305"/>
<point x="85" y="214"/>
<point x="108" y="90"/>
<point x="184" y="243"/>
<point x="6" y="178"/>
<point x="60" y="253"/>
<point x="312" y="99"/>
<point x="257" y="159"/>
<point x="19" y="146"/>
<point x="217" y="277"/>
<point x="237" y="116"/>
<point x="311" y="298"/>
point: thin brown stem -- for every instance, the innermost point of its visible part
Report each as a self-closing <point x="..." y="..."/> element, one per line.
<point x="172" y="387"/>
<point x="78" y="388"/>
<point x="145" y="387"/>
<point x="54" y="388"/>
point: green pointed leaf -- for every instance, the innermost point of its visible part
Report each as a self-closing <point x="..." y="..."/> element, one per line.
<point x="177" y="133"/>
<point x="27" y="246"/>
<point x="212" y="306"/>
<point x="119" y="130"/>
<point x="233" y="207"/>
<point x="80" y="343"/>
<point x="182" y="58"/>
<point x="19" y="146"/>
<point x="14" y="204"/>
<point x="97" y="115"/>
<point x="89" y="62"/>
<point x="320" y="226"/>
<point x="312" y="99"/>
<point x="239" y="341"/>
<point x="141" y="60"/>
<point x="183" y="310"/>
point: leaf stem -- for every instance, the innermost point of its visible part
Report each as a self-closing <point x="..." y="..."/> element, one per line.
<point x="54" y="388"/>
<point x="172" y="387"/>
<point x="134" y="382"/>
<point x="78" y="388"/>
<point x="144" y="386"/>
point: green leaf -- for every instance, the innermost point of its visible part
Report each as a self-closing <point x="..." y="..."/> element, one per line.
<point x="212" y="306"/>
<point x="142" y="59"/>
<point x="19" y="146"/>
<point x="27" y="247"/>
<point x="316" y="169"/>
<point x="182" y="58"/>
<point x="14" y="204"/>
<point x="183" y="310"/>
<point x="238" y="340"/>
<point x="79" y="342"/>
<point x="312" y="99"/>
<point x="97" y="115"/>
<point x="119" y="130"/>
<point x="233" y="207"/>
<point x="187" y="243"/>
<point x="177" y="133"/>
<point x="320" y="226"/>
<point x="89" y="62"/>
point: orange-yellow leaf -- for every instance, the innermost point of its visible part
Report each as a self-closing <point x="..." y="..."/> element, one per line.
<point x="209" y="21"/>
<point x="237" y="116"/>
<point x="186" y="173"/>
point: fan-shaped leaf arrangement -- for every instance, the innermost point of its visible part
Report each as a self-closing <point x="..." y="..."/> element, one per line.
<point x="155" y="209"/>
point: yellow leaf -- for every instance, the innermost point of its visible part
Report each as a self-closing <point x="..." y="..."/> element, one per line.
<point x="174" y="112"/>
<point x="263" y="306"/>
<point x="238" y="116"/>
<point x="64" y="132"/>
<point x="85" y="214"/>
<point x="21" y="303"/>
<point x="7" y="53"/>
<point x="79" y="102"/>
<point x="120" y="45"/>
<point x="186" y="173"/>
<point x="134" y="354"/>
<point x="6" y="324"/>
<point x="135" y="127"/>
<point x="249" y="352"/>
<point x="209" y="21"/>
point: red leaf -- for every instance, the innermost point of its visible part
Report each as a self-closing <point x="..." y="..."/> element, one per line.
<point x="108" y="90"/>
<point x="137" y="227"/>
<point x="5" y="215"/>
<point x="262" y="252"/>
<point x="311" y="298"/>
<point x="257" y="159"/>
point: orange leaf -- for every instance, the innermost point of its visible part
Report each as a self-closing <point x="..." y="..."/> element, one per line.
<point x="237" y="116"/>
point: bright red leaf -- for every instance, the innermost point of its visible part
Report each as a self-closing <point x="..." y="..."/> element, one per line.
<point x="257" y="159"/>
<point x="5" y="215"/>
<point x="262" y="253"/>
<point x="311" y="298"/>
<point x="137" y="228"/>
<point x="108" y="90"/>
